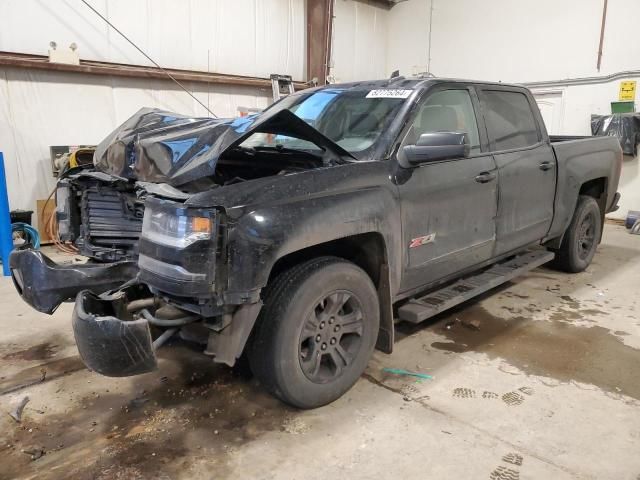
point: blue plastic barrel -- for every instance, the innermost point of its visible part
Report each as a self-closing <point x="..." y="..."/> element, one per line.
<point x="6" y="241"/>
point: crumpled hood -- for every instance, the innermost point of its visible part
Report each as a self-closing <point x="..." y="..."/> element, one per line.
<point x="163" y="147"/>
<point x="158" y="146"/>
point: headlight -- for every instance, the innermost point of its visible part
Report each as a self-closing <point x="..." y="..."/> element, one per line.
<point x="178" y="231"/>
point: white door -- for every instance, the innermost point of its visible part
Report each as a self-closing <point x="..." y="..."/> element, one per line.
<point x="552" y="110"/>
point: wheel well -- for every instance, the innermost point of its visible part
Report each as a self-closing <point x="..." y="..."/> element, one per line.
<point x="596" y="188"/>
<point x="368" y="251"/>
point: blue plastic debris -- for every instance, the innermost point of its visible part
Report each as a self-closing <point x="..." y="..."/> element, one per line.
<point x="400" y="371"/>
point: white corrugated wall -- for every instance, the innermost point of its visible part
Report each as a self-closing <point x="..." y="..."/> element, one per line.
<point x="243" y="37"/>
<point x="527" y="41"/>
<point x="359" y="41"/>
<point x="43" y="108"/>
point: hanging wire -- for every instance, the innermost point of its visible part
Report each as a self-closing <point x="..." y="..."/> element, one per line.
<point x="148" y="57"/>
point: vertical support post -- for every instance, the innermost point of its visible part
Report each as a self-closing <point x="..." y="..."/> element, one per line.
<point x="604" y="23"/>
<point x="319" y="23"/>
<point x="6" y="240"/>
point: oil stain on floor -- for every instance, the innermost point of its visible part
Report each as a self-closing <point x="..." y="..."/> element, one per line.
<point x="52" y="347"/>
<point x="553" y="348"/>
<point x="187" y="412"/>
<point x="41" y="351"/>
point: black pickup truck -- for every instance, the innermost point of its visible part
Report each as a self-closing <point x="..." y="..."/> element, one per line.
<point x="294" y="237"/>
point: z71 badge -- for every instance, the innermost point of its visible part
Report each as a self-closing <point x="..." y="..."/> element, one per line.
<point x="416" y="242"/>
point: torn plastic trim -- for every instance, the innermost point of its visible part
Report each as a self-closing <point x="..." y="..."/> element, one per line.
<point x="226" y="343"/>
<point x="107" y="344"/>
<point x="96" y="175"/>
<point x="45" y="284"/>
<point x="163" y="190"/>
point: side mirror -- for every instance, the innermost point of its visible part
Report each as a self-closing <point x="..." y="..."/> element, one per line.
<point x="433" y="147"/>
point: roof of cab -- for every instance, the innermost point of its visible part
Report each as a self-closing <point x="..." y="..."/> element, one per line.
<point x="413" y="83"/>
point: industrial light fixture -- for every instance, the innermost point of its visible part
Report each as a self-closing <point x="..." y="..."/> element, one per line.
<point x="69" y="57"/>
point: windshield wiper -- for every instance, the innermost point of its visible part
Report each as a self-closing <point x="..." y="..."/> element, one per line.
<point x="283" y="149"/>
<point x="320" y="155"/>
<point x="327" y="157"/>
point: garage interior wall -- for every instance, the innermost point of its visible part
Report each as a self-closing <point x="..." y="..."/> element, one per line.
<point x="524" y="42"/>
<point x="507" y="41"/>
<point x="502" y="40"/>
<point x="43" y="108"/>
<point x="360" y="41"/>
<point x="242" y="37"/>
<point x="39" y="109"/>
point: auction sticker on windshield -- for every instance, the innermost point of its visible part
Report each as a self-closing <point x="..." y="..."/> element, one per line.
<point x="389" y="93"/>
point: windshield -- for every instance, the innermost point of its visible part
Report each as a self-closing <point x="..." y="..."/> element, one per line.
<point x="354" y="119"/>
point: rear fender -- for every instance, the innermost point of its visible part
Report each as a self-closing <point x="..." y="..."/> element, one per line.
<point x="581" y="161"/>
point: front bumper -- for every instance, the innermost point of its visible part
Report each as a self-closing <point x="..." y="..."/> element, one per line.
<point x="45" y="284"/>
<point x="113" y="342"/>
<point x="110" y="342"/>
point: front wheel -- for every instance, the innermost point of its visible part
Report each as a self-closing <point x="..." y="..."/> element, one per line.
<point x="581" y="238"/>
<point x="316" y="331"/>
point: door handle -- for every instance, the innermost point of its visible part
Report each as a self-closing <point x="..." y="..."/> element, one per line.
<point x="544" y="166"/>
<point x="485" y="177"/>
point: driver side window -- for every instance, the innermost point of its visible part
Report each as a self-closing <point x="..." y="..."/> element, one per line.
<point x="446" y="111"/>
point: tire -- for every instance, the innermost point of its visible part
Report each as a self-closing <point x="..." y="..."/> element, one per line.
<point x="581" y="237"/>
<point x="316" y="332"/>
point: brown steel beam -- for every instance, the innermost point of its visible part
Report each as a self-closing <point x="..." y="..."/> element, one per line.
<point x="604" y="23"/>
<point x="319" y="24"/>
<point x="40" y="62"/>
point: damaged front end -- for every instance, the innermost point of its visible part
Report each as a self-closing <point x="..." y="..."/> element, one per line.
<point x="99" y="214"/>
<point x="44" y="284"/>
<point x="118" y="333"/>
<point x="168" y="270"/>
<point x="109" y="339"/>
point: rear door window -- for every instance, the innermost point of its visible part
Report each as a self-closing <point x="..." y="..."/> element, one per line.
<point x="509" y="119"/>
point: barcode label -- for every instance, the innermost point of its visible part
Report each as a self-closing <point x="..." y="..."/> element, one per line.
<point x="389" y="93"/>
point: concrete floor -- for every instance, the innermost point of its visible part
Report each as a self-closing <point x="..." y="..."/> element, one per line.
<point x="547" y="387"/>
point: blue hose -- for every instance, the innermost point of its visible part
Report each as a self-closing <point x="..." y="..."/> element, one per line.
<point x="31" y="233"/>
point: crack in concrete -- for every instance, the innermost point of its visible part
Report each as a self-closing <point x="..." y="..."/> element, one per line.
<point x="40" y="374"/>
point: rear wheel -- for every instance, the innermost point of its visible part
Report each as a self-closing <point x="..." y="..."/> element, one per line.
<point x="581" y="238"/>
<point x="316" y="332"/>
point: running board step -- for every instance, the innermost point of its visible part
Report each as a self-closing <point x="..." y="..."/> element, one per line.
<point x="418" y="309"/>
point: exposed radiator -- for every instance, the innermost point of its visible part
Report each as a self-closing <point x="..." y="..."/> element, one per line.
<point x="111" y="223"/>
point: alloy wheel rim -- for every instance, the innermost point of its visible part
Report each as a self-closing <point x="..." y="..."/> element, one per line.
<point x="331" y="336"/>
<point x="586" y="235"/>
